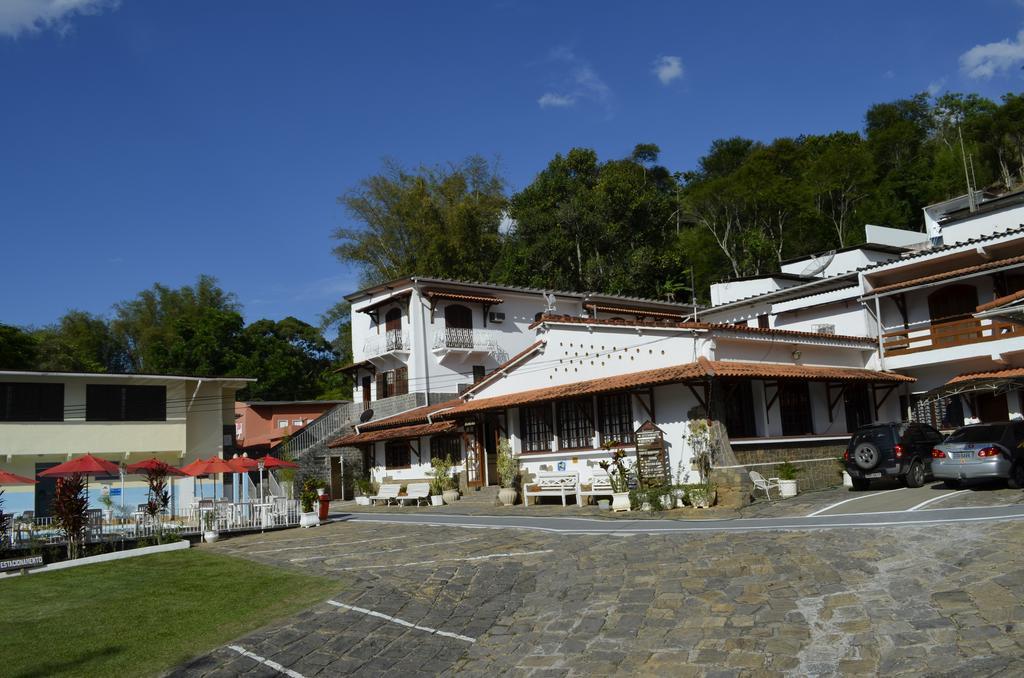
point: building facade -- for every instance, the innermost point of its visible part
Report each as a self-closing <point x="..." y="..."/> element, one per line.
<point x="48" y="417"/>
<point x="260" y="426"/>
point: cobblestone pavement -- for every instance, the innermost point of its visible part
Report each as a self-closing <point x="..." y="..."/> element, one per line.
<point x="935" y="600"/>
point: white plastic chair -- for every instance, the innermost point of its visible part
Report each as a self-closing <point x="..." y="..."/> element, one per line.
<point x="765" y="485"/>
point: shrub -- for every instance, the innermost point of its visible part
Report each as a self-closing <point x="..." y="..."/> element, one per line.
<point x="5" y="527"/>
<point x="70" y="505"/>
<point x="788" y="471"/>
<point x="508" y="465"/>
<point x="441" y="478"/>
<point x="309" y="493"/>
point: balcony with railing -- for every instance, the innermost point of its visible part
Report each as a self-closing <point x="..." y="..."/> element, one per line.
<point x="463" y="340"/>
<point x="392" y="341"/>
<point x="935" y="335"/>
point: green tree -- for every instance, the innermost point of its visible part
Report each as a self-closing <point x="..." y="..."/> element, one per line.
<point x="80" y="342"/>
<point x="190" y="330"/>
<point x="19" y="350"/>
<point x="838" y="176"/>
<point x="434" y="221"/>
<point x="290" y="359"/>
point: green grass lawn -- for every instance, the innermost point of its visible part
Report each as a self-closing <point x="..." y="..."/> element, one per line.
<point x="142" y="615"/>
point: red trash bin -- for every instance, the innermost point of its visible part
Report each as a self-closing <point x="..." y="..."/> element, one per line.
<point x="325" y="506"/>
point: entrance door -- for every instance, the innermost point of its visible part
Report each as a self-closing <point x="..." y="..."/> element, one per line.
<point x="857" y="403"/>
<point x="337" y="488"/>
<point x="991" y="407"/>
<point x="46" y="490"/>
<point x="366" y="392"/>
<point x="474" y="457"/>
<point x="458" y="326"/>
<point x="393" y="329"/>
<point x="491" y="448"/>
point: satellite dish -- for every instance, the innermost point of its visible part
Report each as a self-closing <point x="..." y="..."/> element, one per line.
<point x="818" y="264"/>
<point x="366" y="416"/>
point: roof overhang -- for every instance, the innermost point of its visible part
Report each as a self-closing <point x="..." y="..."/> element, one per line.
<point x="389" y="434"/>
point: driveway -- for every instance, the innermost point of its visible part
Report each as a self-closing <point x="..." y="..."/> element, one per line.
<point x="488" y="599"/>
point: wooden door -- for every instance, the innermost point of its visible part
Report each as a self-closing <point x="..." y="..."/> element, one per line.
<point x="474" y="458"/>
<point x="991" y="407"/>
<point x="951" y="310"/>
<point x="393" y="329"/>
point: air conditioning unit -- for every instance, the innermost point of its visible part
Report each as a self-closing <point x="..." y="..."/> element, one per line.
<point x="496" y="317"/>
<point x="825" y="329"/>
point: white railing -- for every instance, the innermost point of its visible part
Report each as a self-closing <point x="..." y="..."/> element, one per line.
<point x="391" y="341"/>
<point x="461" y="339"/>
<point x="240" y="516"/>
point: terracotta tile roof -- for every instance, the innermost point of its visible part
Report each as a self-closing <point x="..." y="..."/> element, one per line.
<point x="497" y="371"/>
<point x="413" y="416"/>
<point x="387" y="300"/>
<point x="455" y="296"/>
<point x="698" y="371"/>
<point x="947" y="275"/>
<point x="636" y="311"/>
<point x="668" y="375"/>
<point x="1008" y="373"/>
<point x="1001" y="301"/>
<point x="401" y="433"/>
<point x="717" y="327"/>
<point x="730" y="368"/>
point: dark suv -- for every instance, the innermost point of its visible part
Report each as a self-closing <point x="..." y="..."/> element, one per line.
<point x="892" y="450"/>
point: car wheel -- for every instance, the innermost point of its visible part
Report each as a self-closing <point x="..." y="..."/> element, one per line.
<point x="860" y="484"/>
<point x="951" y="484"/>
<point x="915" y="475"/>
<point x="866" y="456"/>
<point x="1016" y="479"/>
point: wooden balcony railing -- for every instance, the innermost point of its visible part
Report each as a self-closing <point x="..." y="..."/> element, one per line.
<point x="946" y="334"/>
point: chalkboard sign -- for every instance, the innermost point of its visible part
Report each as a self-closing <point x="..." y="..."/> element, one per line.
<point x="651" y="464"/>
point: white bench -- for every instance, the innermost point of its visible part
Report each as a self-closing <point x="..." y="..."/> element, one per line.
<point x="387" y="494"/>
<point x="417" y="492"/>
<point x="552" y="485"/>
<point x="600" y="485"/>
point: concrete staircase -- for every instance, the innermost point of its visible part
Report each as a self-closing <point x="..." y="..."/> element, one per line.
<point x="485" y="496"/>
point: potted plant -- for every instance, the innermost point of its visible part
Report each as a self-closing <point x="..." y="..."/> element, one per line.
<point x="308" y="499"/>
<point x="704" y="493"/>
<point x="365" y="489"/>
<point x="847" y="480"/>
<point x="210" y="533"/>
<point x="508" y="473"/>
<point x="787" y="479"/>
<point x="436" y="490"/>
<point x="108" y="507"/>
<point x="442" y="474"/>
<point x="618" y="477"/>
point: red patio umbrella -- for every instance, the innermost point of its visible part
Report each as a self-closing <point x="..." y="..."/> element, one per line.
<point x="8" y="478"/>
<point x="243" y="464"/>
<point x="205" y="467"/>
<point x="85" y="465"/>
<point x="270" y="461"/>
<point x="154" y="464"/>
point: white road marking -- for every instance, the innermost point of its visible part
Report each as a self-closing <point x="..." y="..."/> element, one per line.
<point x="266" y="662"/>
<point x="401" y="622"/>
<point x="446" y="542"/>
<point x="926" y="502"/>
<point x="322" y="544"/>
<point x="441" y="560"/>
<point x="724" y="528"/>
<point x="846" y="501"/>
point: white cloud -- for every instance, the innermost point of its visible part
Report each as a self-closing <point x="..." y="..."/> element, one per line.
<point x="935" y="87"/>
<point x="668" y="68"/>
<point x="889" y="75"/>
<point x="552" y="100"/>
<point x="32" y="16"/>
<point x="577" y="81"/>
<point x="984" y="61"/>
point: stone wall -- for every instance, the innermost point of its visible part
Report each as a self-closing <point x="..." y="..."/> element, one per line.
<point x="814" y="475"/>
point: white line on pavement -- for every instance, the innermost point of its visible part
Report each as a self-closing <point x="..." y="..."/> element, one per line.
<point x="266" y="662"/>
<point x="845" y="501"/>
<point x="401" y="622"/>
<point x="321" y="544"/>
<point x="441" y="560"/>
<point x="447" y="542"/>
<point x="926" y="502"/>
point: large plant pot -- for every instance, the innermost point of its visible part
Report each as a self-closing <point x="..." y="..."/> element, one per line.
<point x="787" y="488"/>
<point x="211" y="536"/>
<point x="362" y="501"/>
<point x="620" y="501"/>
<point x="437" y="500"/>
<point x="507" y="496"/>
<point x="451" y="496"/>
<point x="847" y="480"/>
<point x="309" y="520"/>
<point x="702" y="499"/>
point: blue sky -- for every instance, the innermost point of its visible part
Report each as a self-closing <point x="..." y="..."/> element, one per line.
<point x="145" y="141"/>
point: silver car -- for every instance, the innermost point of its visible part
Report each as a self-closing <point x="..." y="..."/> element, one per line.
<point x="982" y="451"/>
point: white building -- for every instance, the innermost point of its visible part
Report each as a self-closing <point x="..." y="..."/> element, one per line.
<point x="791" y="362"/>
<point x="49" y="417"/>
